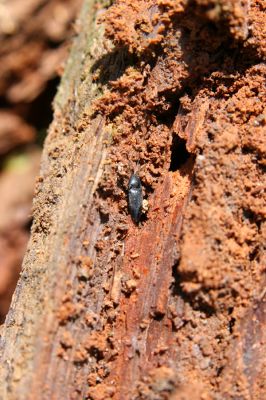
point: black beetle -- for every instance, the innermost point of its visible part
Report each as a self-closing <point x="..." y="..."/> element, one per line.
<point x="135" y="197"/>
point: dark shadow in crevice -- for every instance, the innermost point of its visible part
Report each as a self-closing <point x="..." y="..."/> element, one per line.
<point x="252" y="218"/>
<point x="179" y="153"/>
<point x="158" y="316"/>
<point x="104" y="218"/>
<point x="193" y="299"/>
<point x="111" y="66"/>
<point x="254" y="254"/>
<point x="231" y="324"/>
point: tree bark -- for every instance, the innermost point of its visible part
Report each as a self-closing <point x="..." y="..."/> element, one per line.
<point x="106" y="308"/>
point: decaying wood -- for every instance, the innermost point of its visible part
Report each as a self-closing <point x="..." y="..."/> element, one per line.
<point x="106" y="308"/>
<point x="64" y="184"/>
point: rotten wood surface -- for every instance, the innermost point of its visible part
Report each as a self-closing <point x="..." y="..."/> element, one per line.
<point x="105" y="308"/>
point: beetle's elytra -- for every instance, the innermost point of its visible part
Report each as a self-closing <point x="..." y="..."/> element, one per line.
<point x="135" y="197"/>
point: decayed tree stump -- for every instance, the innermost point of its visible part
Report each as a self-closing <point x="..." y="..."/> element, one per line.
<point x="172" y="307"/>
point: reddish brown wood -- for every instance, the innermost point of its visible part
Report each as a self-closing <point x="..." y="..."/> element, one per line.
<point x="108" y="309"/>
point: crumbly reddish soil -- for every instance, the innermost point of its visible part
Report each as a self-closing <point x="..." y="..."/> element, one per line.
<point x="174" y="307"/>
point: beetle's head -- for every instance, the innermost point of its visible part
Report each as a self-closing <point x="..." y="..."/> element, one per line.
<point x="134" y="182"/>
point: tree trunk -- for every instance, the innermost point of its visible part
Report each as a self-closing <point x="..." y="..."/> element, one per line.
<point x="172" y="307"/>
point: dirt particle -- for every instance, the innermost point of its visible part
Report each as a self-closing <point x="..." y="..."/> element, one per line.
<point x="69" y="311"/>
<point x="134" y="255"/>
<point x="91" y="319"/>
<point x="101" y="392"/>
<point x="96" y="345"/>
<point x="67" y="340"/>
<point x="80" y="355"/>
<point x="129" y="286"/>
